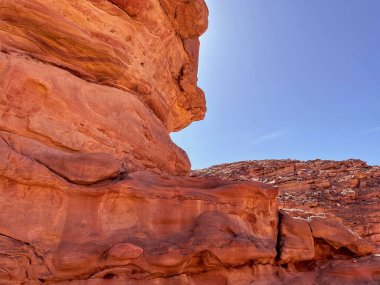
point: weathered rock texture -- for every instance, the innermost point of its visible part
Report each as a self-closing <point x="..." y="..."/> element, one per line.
<point x="349" y="190"/>
<point x="91" y="190"/>
<point x="103" y="76"/>
<point x="142" y="227"/>
<point x="148" y="229"/>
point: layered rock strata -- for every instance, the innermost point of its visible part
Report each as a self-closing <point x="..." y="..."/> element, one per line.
<point x="103" y="76"/>
<point x="142" y="227"/>
<point x="348" y="190"/>
<point x="92" y="189"/>
<point x="49" y="114"/>
<point x="148" y="229"/>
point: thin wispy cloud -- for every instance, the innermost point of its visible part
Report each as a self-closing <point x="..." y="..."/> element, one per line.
<point x="267" y="137"/>
<point x="372" y="130"/>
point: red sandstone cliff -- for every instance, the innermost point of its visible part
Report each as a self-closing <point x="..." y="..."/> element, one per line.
<point x="112" y="77"/>
<point x="92" y="189"/>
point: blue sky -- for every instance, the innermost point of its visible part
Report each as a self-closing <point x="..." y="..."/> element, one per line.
<point x="288" y="79"/>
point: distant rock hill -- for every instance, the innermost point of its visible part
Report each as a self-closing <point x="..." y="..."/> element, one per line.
<point x="349" y="189"/>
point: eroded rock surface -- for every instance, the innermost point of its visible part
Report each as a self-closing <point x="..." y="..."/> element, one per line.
<point x="296" y="240"/>
<point x="48" y="111"/>
<point x="142" y="227"/>
<point x="149" y="229"/>
<point x="349" y="190"/>
<point x="135" y="46"/>
<point x="103" y="76"/>
<point x="92" y="189"/>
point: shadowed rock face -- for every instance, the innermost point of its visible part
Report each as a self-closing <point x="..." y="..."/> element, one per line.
<point x="91" y="190"/>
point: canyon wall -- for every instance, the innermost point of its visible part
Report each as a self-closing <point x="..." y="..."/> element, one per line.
<point x="110" y="77"/>
<point x="347" y="190"/>
<point x="93" y="190"/>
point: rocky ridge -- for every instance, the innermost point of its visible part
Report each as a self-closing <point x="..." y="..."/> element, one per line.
<point x="348" y="190"/>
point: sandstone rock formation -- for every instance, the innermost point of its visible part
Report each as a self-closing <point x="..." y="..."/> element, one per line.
<point x="103" y="76"/>
<point x="92" y="189"/>
<point x="349" y="190"/>
<point x="150" y="229"/>
<point x="143" y="226"/>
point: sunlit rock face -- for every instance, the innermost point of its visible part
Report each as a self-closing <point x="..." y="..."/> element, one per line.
<point x="49" y="109"/>
<point x="143" y="227"/>
<point x="111" y="77"/>
<point x="348" y="190"/>
<point x="92" y="189"/>
<point x="329" y="216"/>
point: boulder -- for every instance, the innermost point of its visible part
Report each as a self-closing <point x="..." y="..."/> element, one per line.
<point x="296" y="240"/>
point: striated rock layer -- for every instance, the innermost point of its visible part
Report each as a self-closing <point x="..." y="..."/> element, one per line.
<point x="143" y="228"/>
<point x="92" y="189"/>
<point x="101" y="76"/>
<point x="49" y="114"/>
<point x="349" y="190"/>
<point x="135" y="46"/>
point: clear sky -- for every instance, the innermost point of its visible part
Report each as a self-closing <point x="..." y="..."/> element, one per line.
<point x="288" y="79"/>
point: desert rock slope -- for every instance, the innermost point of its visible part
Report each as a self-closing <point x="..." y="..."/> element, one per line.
<point x="348" y="190"/>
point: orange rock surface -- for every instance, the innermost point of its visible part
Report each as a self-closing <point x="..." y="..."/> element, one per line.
<point x="48" y="113"/>
<point x="143" y="226"/>
<point x="134" y="46"/>
<point x="103" y="76"/>
<point x="348" y="190"/>
<point x="92" y="189"/>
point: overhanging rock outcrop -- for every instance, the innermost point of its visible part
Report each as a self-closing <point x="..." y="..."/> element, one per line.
<point x="103" y="76"/>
